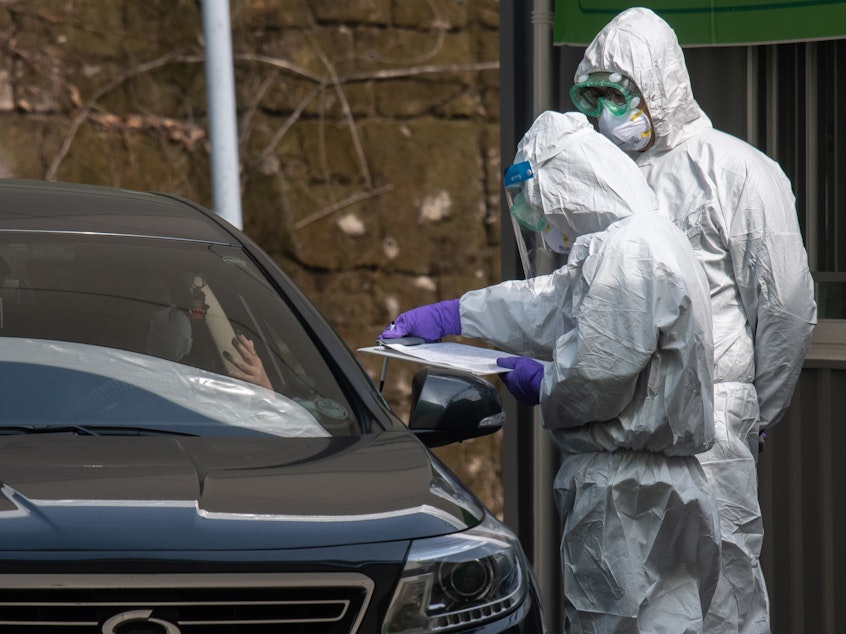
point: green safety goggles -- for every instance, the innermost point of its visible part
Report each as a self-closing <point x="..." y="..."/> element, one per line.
<point x="613" y="91"/>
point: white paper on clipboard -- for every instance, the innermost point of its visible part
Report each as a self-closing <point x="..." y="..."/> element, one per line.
<point x="457" y="356"/>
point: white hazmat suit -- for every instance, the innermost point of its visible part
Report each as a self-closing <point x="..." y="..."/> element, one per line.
<point x="623" y="331"/>
<point x="737" y="208"/>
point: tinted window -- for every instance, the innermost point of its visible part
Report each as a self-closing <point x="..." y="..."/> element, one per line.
<point x="155" y="308"/>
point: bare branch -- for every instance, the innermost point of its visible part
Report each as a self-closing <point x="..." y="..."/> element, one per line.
<point x="322" y="82"/>
<point x="281" y="63"/>
<point x="247" y="119"/>
<point x="289" y="122"/>
<point x="347" y="110"/>
<point x="185" y="134"/>
<point x="394" y="73"/>
<point x="350" y="200"/>
<point x="441" y="26"/>
<point x="398" y="73"/>
<point x="85" y="111"/>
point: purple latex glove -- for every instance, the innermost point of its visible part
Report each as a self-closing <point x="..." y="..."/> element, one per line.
<point x="429" y="322"/>
<point x="524" y="379"/>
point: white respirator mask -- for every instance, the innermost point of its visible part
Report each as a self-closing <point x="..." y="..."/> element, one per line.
<point x="630" y="131"/>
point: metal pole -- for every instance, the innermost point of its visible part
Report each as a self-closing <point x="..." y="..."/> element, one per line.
<point x="515" y="117"/>
<point x="542" y="22"/>
<point x="547" y="533"/>
<point x="220" y="90"/>
<point x="529" y="460"/>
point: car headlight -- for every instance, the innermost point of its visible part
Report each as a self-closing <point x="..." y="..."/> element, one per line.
<point x="458" y="580"/>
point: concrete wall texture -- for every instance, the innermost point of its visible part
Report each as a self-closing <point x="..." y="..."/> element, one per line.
<point x="368" y="141"/>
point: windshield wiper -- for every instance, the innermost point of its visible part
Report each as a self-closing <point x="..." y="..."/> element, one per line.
<point x="129" y="430"/>
<point x="91" y="430"/>
<point x="79" y="430"/>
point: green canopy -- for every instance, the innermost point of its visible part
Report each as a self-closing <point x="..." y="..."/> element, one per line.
<point x="711" y="22"/>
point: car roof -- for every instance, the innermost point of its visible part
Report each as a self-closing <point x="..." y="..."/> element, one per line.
<point x="31" y="205"/>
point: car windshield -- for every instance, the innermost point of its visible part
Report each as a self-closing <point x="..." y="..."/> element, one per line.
<point x="100" y="333"/>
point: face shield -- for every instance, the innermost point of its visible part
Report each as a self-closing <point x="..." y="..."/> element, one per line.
<point x="542" y="247"/>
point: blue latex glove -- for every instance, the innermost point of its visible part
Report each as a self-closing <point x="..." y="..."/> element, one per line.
<point x="524" y="379"/>
<point x="429" y="322"/>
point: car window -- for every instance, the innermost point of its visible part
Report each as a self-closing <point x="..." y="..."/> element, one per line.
<point x="135" y="310"/>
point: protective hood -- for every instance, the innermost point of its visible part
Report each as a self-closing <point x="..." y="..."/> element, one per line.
<point x="582" y="181"/>
<point x="642" y="46"/>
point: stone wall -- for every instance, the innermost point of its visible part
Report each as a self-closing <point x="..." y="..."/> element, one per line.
<point x="369" y="140"/>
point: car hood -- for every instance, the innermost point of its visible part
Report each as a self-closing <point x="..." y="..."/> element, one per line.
<point x="132" y="495"/>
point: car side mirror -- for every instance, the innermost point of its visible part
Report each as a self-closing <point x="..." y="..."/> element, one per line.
<point x="449" y="406"/>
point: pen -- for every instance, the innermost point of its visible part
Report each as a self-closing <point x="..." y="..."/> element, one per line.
<point x="384" y="373"/>
<point x="384" y="367"/>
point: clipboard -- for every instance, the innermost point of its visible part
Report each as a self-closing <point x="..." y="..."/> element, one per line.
<point x="454" y="356"/>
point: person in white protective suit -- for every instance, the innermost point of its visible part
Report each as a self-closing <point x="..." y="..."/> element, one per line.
<point x="738" y="210"/>
<point x="616" y="347"/>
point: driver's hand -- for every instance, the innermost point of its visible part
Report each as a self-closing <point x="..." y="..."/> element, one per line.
<point x="249" y="367"/>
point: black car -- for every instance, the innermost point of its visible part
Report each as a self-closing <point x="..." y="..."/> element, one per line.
<point x="187" y="446"/>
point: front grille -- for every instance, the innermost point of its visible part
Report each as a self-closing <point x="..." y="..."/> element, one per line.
<point x="325" y="603"/>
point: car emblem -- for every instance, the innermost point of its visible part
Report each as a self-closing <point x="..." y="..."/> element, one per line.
<point x="115" y="624"/>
